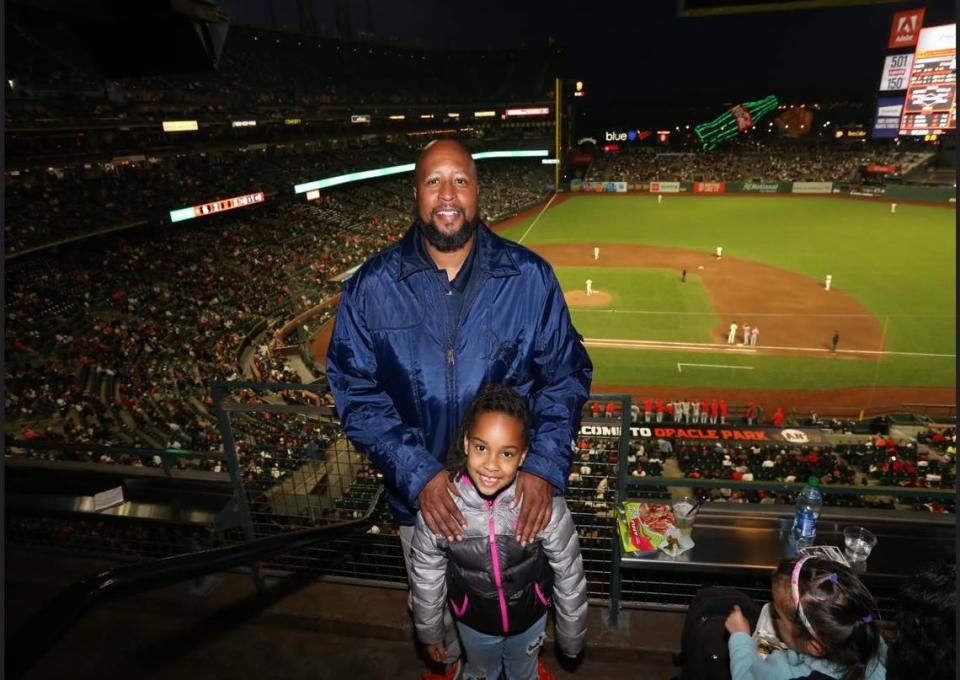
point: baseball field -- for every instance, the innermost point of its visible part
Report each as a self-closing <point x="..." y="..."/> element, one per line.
<point x="649" y="332"/>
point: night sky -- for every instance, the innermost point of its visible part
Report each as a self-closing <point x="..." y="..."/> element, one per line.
<point x="639" y="56"/>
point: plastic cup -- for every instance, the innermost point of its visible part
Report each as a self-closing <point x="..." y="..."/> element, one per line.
<point x="682" y="515"/>
<point x="859" y="543"/>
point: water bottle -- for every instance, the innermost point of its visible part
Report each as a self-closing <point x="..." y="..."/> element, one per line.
<point x="805" y="520"/>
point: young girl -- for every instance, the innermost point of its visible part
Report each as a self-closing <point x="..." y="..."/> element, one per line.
<point x="498" y="589"/>
<point x="825" y="615"/>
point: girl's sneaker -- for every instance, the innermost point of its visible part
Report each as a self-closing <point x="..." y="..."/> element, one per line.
<point x="544" y="673"/>
<point x="452" y="673"/>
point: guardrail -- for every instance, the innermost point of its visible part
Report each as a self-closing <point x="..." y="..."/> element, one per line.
<point x="42" y="630"/>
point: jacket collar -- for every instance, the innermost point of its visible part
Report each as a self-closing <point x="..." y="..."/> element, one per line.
<point x="493" y="258"/>
<point x="472" y="498"/>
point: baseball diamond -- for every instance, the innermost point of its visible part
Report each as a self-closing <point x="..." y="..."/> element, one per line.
<point x="892" y="298"/>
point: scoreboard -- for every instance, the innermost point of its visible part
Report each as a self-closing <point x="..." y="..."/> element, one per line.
<point x="896" y="72"/>
<point x="930" y="105"/>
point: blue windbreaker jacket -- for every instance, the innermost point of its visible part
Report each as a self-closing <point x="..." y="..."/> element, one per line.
<point x="402" y="375"/>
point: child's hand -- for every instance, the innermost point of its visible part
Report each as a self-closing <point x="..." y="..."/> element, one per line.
<point x="736" y="622"/>
<point x="437" y="652"/>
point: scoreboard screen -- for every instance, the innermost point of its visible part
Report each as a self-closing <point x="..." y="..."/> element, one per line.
<point x="217" y="206"/>
<point x="930" y="106"/>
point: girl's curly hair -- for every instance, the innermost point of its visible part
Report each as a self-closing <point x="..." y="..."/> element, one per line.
<point x="492" y="398"/>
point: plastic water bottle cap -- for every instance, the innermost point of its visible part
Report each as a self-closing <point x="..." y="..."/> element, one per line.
<point x="813" y="481"/>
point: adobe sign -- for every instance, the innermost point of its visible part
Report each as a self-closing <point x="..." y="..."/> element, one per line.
<point x="906" y="28"/>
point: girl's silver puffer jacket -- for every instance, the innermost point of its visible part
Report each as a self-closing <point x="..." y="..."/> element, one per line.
<point x="492" y="583"/>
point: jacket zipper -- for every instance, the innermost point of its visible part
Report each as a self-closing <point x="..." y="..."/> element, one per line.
<point x="497" y="577"/>
<point x="451" y="335"/>
<point x="451" y="359"/>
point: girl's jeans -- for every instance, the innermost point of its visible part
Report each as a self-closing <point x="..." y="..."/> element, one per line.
<point x="515" y="654"/>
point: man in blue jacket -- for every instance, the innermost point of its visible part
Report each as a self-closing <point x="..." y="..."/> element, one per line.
<point x="422" y="325"/>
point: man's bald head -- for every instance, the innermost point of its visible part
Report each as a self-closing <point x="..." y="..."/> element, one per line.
<point x="446" y="189"/>
<point x="442" y="147"/>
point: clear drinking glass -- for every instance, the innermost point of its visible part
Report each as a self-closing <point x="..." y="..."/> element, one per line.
<point x="682" y="514"/>
<point x="859" y="542"/>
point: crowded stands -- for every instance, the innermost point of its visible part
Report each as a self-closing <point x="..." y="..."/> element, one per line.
<point x="749" y="161"/>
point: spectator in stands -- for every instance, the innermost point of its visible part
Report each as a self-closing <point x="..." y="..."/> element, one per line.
<point x="826" y="618"/>
<point x="382" y="409"/>
<point x="925" y="646"/>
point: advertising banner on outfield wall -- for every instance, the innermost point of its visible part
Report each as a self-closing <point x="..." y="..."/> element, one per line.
<point x="664" y="187"/>
<point x="598" y="187"/>
<point x="761" y="187"/>
<point x="861" y="190"/>
<point x="812" y="187"/>
<point x="709" y="187"/>
<point x="710" y="432"/>
<point x="638" y="186"/>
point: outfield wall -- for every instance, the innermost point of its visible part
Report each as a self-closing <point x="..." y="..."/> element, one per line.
<point x="900" y="192"/>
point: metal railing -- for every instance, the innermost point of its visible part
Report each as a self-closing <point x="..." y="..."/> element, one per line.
<point x="285" y="477"/>
<point x="42" y="630"/>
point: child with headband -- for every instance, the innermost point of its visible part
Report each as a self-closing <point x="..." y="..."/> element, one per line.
<point x="825" y="615"/>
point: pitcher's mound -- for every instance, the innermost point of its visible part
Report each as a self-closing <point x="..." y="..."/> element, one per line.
<point x="579" y="298"/>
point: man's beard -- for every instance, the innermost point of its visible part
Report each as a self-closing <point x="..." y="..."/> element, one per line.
<point x="448" y="243"/>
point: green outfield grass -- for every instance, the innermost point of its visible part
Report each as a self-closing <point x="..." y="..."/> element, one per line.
<point x="899" y="266"/>
<point x="659" y="367"/>
<point x="649" y="289"/>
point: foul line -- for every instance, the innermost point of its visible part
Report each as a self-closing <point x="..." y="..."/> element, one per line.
<point x="537" y="218"/>
<point x="664" y="344"/>
<point x="742" y="368"/>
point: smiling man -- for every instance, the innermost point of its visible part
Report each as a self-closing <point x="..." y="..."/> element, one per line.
<point x="446" y="191"/>
<point x="422" y="325"/>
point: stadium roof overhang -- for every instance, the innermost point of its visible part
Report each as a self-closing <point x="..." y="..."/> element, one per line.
<point x="702" y="8"/>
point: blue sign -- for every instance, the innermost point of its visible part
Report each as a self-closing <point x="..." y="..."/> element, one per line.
<point x="886" y="123"/>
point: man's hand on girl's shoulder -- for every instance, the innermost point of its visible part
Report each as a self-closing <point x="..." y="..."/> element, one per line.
<point x="439" y="511"/>
<point x="536" y="494"/>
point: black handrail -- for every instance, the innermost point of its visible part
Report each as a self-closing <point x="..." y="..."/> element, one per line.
<point x="42" y="630"/>
<point x="114" y="450"/>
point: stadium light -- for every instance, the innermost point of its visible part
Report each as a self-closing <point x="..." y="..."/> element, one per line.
<point x="180" y="126"/>
<point x="353" y="177"/>
<point x="406" y="167"/>
<point x="538" y="153"/>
